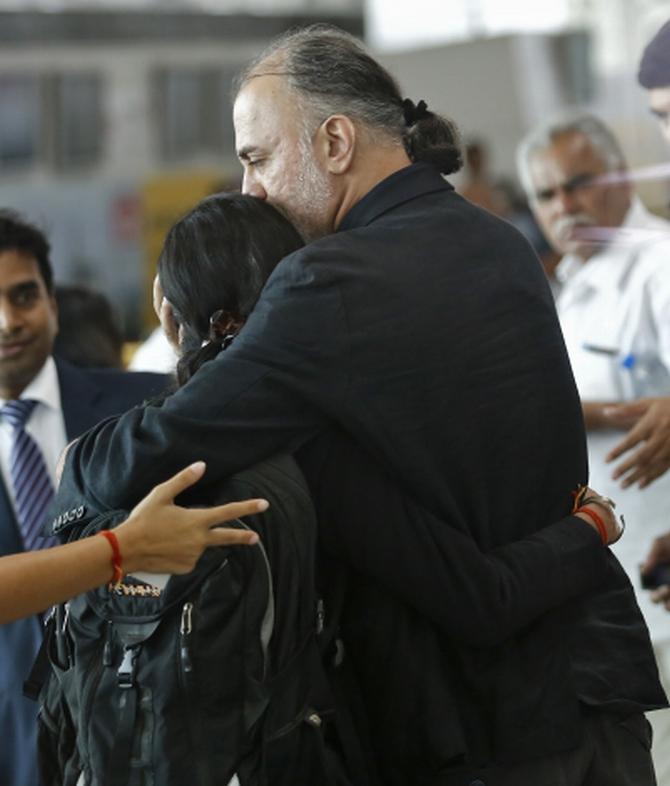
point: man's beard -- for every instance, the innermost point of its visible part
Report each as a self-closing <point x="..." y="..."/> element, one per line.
<point x="308" y="209"/>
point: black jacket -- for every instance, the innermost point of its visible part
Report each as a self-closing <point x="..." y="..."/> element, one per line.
<point x="425" y="328"/>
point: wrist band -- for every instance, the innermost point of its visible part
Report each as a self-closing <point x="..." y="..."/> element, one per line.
<point x="117" y="559"/>
<point x="602" y="530"/>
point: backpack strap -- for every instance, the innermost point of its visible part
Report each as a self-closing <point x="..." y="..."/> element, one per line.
<point x="122" y="749"/>
<point x="41" y="668"/>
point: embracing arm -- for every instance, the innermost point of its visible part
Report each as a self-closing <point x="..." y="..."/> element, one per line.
<point x="158" y="537"/>
<point x="477" y="598"/>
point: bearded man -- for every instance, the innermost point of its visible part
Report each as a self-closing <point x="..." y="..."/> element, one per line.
<point x="424" y="328"/>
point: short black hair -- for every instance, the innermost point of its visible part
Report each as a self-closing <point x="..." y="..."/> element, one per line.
<point x="17" y="234"/>
<point x="88" y="331"/>
<point x="654" y="68"/>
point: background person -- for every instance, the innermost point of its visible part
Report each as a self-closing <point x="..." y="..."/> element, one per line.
<point x="613" y="306"/>
<point x="88" y="335"/>
<point x="645" y="450"/>
<point x="44" y="402"/>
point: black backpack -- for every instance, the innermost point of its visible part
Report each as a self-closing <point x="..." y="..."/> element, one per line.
<point x="218" y="676"/>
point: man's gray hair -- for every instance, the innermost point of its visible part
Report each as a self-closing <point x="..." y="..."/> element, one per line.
<point x="330" y="72"/>
<point x="334" y="72"/>
<point x="544" y="135"/>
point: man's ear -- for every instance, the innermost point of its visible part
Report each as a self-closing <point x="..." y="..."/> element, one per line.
<point x="336" y="141"/>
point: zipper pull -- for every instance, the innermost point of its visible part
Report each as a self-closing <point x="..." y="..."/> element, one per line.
<point x="107" y="654"/>
<point x="126" y="672"/>
<point x="185" y="629"/>
<point x="320" y="616"/>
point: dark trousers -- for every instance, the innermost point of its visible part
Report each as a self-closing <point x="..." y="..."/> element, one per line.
<point x="615" y="752"/>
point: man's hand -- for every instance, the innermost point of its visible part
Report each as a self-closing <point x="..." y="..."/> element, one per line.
<point x="649" y="423"/>
<point x="604" y="508"/>
<point x="659" y="554"/>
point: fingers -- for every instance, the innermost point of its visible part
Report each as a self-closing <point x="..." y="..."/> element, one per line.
<point x="645" y="465"/>
<point x="233" y="510"/>
<point x="634" y="437"/>
<point x="625" y="416"/>
<point x="171" y="488"/>
<point x="224" y="536"/>
<point x="662" y="595"/>
<point x="659" y="552"/>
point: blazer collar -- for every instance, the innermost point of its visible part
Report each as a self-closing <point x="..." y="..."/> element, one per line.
<point x="402" y="186"/>
<point x="78" y="396"/>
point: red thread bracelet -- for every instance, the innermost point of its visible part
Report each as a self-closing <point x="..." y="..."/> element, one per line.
<point x="600" y="524"/>
<point x="117" y="559"/>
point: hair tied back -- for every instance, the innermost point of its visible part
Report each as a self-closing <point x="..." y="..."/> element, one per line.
<point x="414" y="112"/>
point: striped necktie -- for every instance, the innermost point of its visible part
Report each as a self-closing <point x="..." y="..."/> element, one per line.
<point x="33" y="490"/>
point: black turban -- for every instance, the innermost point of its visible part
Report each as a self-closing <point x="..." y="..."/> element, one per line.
<point x="655" y="64"/>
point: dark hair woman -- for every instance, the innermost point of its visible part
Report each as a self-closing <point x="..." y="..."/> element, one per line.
<point x="213" y="266"/>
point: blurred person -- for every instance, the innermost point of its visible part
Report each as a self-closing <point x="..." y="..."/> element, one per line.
<point x="396" y="324"/>
<point x="646" y="447"/>
<point x="654" y="76"/>
<point x="613" y="307"/>
<point x="43" y="403"/>
<point x="88" y="335"/>
<point x="478" y="186"/>
<point x="154" y="354"/>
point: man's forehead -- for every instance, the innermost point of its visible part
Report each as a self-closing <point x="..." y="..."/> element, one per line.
<point x="260" y="95"/>
<point x="567" y="153"/>
<point x="264" y="115"/>
<point x="18" y="269"/>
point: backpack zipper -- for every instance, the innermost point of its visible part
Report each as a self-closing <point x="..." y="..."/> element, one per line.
<point x="185" y="628"/>
<point x="186" y="680"/>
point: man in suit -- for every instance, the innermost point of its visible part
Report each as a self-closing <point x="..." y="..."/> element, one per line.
<point x="68" y="401"/>
<point x="424" y="327"/>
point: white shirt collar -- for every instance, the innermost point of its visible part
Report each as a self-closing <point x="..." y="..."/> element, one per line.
<point x="44" y="387"/>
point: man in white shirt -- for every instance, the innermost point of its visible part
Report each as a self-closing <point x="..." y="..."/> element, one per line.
<point x="614" y="308"/>
<point x="44" y="402"/>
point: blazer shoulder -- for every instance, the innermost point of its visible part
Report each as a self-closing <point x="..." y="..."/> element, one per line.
<point x="89" y="395"/>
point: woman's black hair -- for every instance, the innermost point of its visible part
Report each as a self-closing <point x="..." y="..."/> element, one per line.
<point x="214" y="263"/>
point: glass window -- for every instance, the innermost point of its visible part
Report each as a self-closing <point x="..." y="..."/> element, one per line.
<point x="20" y="120"/>
<point x="77" y="133"/>
<point x="191" y="106"/>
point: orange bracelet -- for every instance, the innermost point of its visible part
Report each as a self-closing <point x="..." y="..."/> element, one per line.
<point x="117" y="559"/>
<point x="600" y="524"/>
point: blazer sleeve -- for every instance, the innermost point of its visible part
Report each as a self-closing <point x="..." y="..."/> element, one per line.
<point x="474" y="597"/>
<point x="270" y="391"/>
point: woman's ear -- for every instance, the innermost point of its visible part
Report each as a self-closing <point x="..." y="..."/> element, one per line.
<point x="336" y="143"/>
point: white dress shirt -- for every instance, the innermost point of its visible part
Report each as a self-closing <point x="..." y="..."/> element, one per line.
<point x="615" y="315"/>
<point x="45" y="424"/>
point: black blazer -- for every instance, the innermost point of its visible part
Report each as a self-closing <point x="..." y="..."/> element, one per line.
<point x="87" y="396"/>
<point x="425" y="328"/>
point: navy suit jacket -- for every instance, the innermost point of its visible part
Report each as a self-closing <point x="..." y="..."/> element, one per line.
<point x="87" y="397"/>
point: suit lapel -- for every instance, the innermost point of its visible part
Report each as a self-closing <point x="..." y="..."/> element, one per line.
<point x="78" y="397"/>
